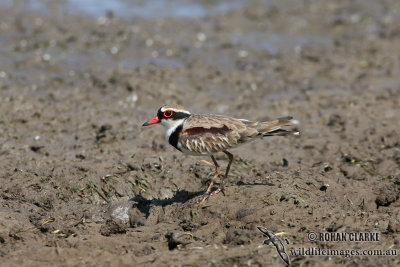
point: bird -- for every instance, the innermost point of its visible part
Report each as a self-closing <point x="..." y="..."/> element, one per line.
<point x="208" y="134"/>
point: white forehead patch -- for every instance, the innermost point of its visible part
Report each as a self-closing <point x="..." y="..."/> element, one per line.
<point x="163" y="109"/>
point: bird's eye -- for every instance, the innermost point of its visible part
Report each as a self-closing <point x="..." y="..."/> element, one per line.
<point x="168" y="113"/>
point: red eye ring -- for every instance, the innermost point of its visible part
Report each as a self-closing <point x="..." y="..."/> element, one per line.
<point x="168" y="113"/>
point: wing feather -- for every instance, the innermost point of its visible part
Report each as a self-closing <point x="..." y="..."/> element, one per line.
<point x="208" y="133"/>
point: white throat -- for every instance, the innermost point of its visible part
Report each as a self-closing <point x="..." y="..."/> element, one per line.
<point x="170" y="126"/>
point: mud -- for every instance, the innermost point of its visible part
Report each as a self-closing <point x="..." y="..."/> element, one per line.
<point x="82" y="184"/>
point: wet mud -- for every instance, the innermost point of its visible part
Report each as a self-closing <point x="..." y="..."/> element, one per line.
<point x="83" y="184"/>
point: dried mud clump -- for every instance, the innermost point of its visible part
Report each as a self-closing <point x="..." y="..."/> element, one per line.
<point x="388" y="193"/>
<point x="394" y="225"/>
<point x="113" y="226"/>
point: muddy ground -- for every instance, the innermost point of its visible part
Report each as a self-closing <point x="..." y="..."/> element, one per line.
<point x="82" y="184"/>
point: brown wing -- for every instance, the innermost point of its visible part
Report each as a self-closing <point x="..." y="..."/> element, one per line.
<point x="206" y="134"/>
<point x="212" y="133"/>
<point x="267" y="126"/>
<point x="272" y="127"/>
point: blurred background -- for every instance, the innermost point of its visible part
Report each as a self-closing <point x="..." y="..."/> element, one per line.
<point x="78" y="79"/>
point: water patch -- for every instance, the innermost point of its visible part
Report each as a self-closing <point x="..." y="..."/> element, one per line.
<point x="275" y="43"/>
<point x="152" y="9"/>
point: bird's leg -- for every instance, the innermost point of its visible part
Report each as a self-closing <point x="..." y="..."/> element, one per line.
<point x="207" y="194"/>
<point x="221" y="187"/>
<point x="215" y="175"/>
<point x="207" y="162"/>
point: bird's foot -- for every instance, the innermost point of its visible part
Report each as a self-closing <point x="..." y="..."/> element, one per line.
<point x="206" y="196"/>
<point x="221" y="188"/>
<point x="209" y="194"/>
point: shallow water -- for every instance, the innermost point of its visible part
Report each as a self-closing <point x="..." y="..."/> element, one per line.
<point x="268" y="41"/>
<point x="148" y="9"/>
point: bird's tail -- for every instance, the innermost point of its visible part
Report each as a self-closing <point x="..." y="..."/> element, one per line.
<point x="274" y="127"/>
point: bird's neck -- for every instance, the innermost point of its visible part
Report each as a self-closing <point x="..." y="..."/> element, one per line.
<point x="172" y="132"/>
<point x="174" y="137"/>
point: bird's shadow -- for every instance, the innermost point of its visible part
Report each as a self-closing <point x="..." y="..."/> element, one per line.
<point x="181" y="196"/>
<point x="240" y="183"/>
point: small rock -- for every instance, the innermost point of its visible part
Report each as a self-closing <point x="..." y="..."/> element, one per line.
<point x="243" y="53"/>
<point x="178" y="239"/>
<point x="324" y="187"/>
<point x="120" y="211"/>
<point x="387" y="195"/>
<point x="201" y="37"/>
<point x="394" y="226"/>
<point x="112" y="227"/>
<point x="285" y="162"/>
<point x="327" y="167"/>
<point x="36" y="148"/>
<point x="283" y="198"/>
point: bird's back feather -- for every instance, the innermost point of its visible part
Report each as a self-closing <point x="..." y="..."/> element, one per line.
<point x="208" y="133"/>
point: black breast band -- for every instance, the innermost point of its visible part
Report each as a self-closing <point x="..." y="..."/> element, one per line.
<point x="173" y="138"/>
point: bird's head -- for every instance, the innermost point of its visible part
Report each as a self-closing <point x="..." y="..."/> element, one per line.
<point x="171" y="116"/>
